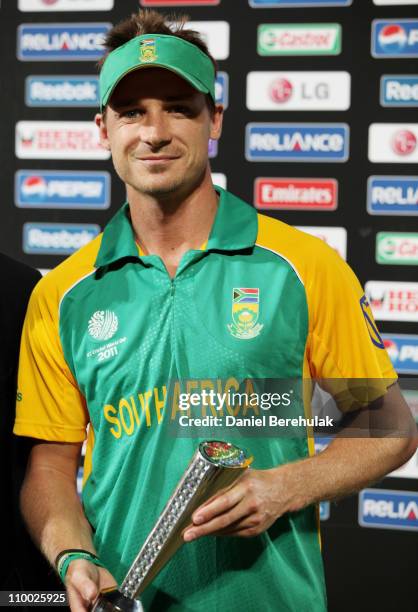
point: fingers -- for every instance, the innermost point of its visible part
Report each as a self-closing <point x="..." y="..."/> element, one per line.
<point x="220" y="522"/>
<point x="218" y="505"/>
<point x="83" y="585"/>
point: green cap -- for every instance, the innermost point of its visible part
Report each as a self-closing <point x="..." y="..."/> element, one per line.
<point x="159" y="51"/>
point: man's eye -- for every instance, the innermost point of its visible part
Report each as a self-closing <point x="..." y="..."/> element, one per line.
<point x="181" y="110"/>
<point x="131" y="114"/>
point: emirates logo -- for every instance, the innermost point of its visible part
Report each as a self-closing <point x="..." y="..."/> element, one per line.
<point x="103" y="324"/>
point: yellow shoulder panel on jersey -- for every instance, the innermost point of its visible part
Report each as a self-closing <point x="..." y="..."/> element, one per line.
<point x="49" y="403"/>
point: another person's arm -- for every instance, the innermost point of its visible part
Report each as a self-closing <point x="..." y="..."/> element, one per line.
<point x="56" y="521"/>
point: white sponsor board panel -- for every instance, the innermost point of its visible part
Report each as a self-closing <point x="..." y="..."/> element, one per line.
<point x="393" y="142"/>
<point x="215" y="34"/>
<point x="58" y="140"/>
<point x="219" y="179"/>
<point x="408" y="470"/>
<point x="298" y="90"/>
<point x="335" y="237"/>
<point x="393" y="301"/>
<point x="394" y="2"/>
<point x="37" y="6"/>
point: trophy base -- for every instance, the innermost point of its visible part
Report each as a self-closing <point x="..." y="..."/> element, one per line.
<point x="115" y="601"/>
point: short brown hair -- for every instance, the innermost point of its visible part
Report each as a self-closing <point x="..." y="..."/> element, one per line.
<point x="147" y="21"/>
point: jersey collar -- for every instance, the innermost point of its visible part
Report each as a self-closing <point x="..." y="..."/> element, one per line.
<point x="235" y="228"/>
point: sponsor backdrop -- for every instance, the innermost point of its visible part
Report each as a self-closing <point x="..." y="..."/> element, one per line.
<point x="320" y="131"/>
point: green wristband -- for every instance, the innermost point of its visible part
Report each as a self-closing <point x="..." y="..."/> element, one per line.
<point x="65" y="560"/>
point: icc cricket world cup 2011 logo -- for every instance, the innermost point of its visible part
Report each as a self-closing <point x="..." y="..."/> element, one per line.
<point x="245" y="311"/>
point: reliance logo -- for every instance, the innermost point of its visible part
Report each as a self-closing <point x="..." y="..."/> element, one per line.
<point x="392" y="195"/>
<point x="388" y="509"/>
<point x="327" y="142"/>
<point x="61" y="41"/>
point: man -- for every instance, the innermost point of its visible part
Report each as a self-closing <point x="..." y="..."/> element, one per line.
<point x="153" y="300"/>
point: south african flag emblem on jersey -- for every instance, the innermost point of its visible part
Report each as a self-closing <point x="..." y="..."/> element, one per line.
<point x="245" y="310"/>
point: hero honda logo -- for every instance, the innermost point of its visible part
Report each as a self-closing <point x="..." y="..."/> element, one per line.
<point x="299" y="39"/>
<point x="393" y="301"/>
<point x="58" y="140"/>
<point x="392" y="195"/>
<point x="62" y="91"/>
<point x="388" y="509"/>
<point x="395" y="38"/>
<point x="62" y="189"/>
<point x="295" y="194"/>
<point x="298" y="90"/>
<point x="57" y="238"/>
<point x="393" y="142"/>
<point x="327" y="142"/>
<point x="403" y="352"/>
<point x="59" y="41"/>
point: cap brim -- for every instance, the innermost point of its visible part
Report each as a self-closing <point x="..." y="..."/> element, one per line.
<point x="194" y="82"/>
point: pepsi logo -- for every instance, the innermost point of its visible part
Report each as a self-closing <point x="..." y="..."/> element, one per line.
<point x="281" y="90"/>
<point x="34" y="186"/>
<point x="391" y="348"/>
<point x="404" y="142"/>
<point x="393" y="35"/>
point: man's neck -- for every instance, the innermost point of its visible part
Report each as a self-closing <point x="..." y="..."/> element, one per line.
<point x="171" y="227"/>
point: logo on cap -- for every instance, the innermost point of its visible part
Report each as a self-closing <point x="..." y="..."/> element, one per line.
<point x="147" y="50"/>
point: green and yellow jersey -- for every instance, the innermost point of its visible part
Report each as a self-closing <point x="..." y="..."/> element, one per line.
<point x="108" y="329"/>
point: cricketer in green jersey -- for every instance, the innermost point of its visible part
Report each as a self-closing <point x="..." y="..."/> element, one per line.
<point x="187" y="282"/>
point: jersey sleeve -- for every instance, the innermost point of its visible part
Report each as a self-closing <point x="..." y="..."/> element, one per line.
<point x="344" y="351"/>
<point x="49" y="404"/>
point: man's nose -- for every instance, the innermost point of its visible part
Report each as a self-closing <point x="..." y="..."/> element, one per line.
<point x="155" y="129"/>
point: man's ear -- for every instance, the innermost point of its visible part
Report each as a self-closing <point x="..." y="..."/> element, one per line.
<point x="216" y="122"/>
<point x="99" y="120"/>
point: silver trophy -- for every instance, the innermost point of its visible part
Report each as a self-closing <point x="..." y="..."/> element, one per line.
<point x="215" y="465"/>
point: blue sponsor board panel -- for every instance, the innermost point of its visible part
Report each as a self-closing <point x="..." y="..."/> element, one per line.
<point x="221" y="89"/>
<point x="399" y="90"/>
<point x="324" y="510"/>
<point x="392" y="195"/>
<point x="212" y="148"/>
<point x="394" y="38"/>
<point x="403" y="352"/>
<point x="47" y="91"/>
<point x="57" y="238"/>
<point x="303" y="142"/>
<point x="62" y="189"/>
<point x="287" y="3"/>
<point x="388" y="509"/>
<point x="61" y="41"/>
